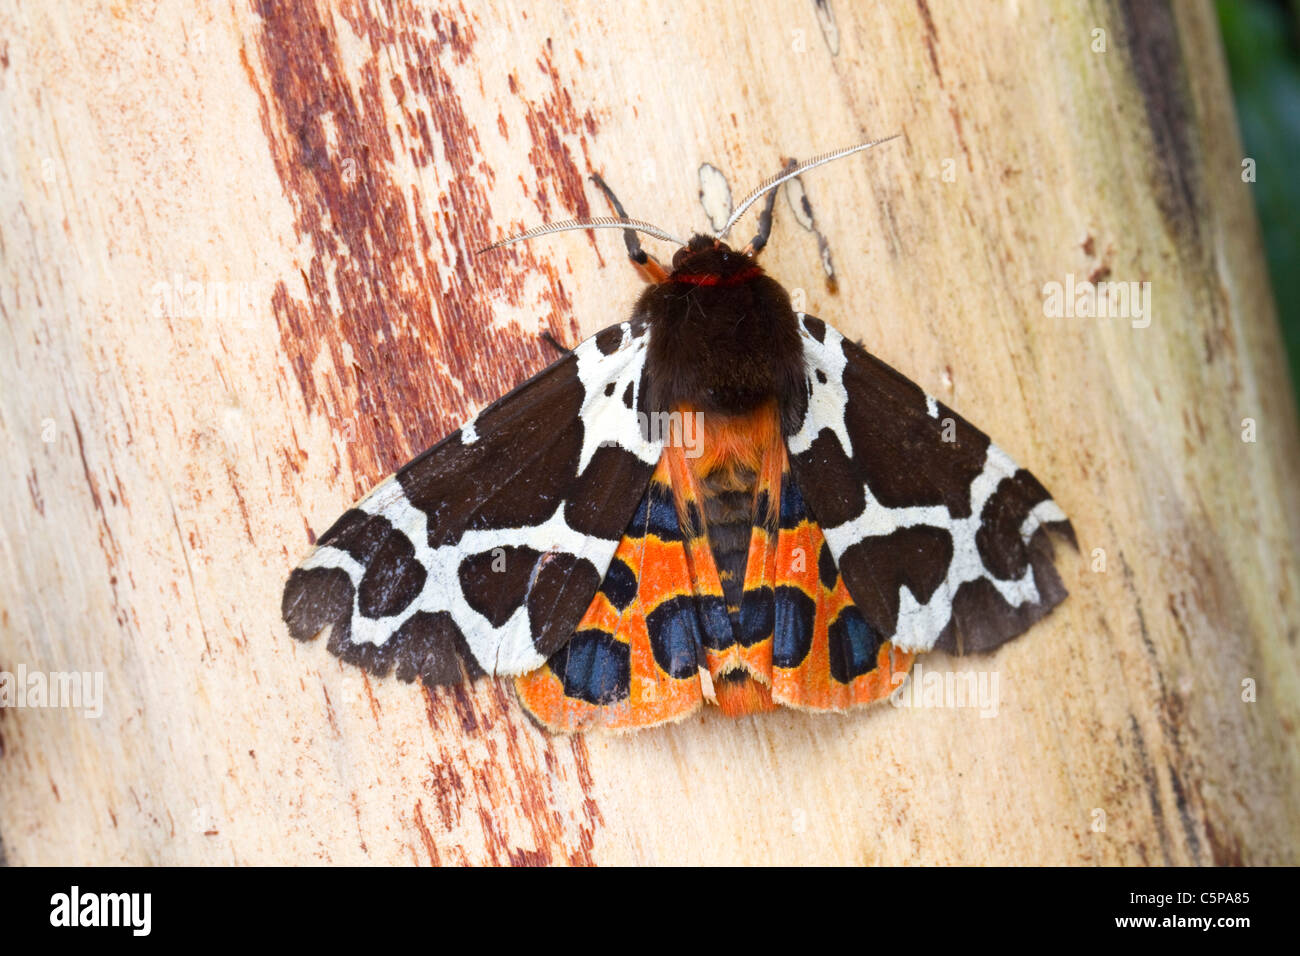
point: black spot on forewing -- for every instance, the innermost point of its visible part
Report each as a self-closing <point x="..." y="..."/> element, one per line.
<point x="516" y="473"/>
<point x="317" y="598"/>
<point x="898" y="449"/>
<point x="875" y="568"/>
<point x="495" y="582"/>
<point x="982" y="620"/>
<point x="815" y="326"/>
<point x="1001" y="550"/>
<point x="827" y="476"/>
<point x="608" y="340"/>
<point x="393" y="579"/>
<point x="358" y="533"/>
<point x="596" y="503"/>
<point x="559" y="593"/>
<point x="432" y="647"/>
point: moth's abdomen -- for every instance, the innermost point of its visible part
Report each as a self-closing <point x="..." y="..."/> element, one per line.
<point x="731" y="481"/>
<point x="725" y="466"/>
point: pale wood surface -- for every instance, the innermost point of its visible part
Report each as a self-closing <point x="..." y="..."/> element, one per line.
<point x="339" y="165"/>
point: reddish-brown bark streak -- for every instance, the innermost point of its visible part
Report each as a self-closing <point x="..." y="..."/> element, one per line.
<point x="931" y="38"/>
<point x="398" y="315"/>
<point x="425" y="836"/>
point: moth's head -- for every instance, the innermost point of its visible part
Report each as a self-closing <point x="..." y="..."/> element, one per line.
<point x="705" y="259"/>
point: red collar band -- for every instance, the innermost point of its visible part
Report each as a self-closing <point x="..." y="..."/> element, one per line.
<point x="712" y="278"/>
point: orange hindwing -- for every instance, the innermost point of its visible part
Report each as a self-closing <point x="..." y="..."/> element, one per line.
<point x="722" y="588"/>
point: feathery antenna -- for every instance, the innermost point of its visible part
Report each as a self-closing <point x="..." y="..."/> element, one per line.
<point x="794" y="171"/>
<point x="599" y="222"/>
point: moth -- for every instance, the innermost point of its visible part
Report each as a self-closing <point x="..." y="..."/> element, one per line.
<point x="718" y="499"/>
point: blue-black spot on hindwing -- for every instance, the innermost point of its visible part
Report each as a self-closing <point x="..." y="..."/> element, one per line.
<point x="594" y="667"/>
<point x="793" y="627"/>
<point x="719" y="633"/>
<point x="757" y="616"/>
<point x="793" y="509"/>
<point x="620" y="584"/>
<point x="393" y="579"/>
<point x="694" y="520"/>
<point x="674" y="629"/>
<point x="495" y="582"/>
<point x="657" y="514"/>
<point x="827" y="573"/>
<point x="854" y="646"/>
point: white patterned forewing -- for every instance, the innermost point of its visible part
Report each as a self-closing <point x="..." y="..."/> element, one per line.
<point x="481" y="555"/>
<point x="939" y="536"/>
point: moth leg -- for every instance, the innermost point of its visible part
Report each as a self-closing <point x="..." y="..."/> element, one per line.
<point x="652" y="271"/>
<point x="765" y="221"/>
<point x="647" y="266"/>
<point x="549" y="338"/>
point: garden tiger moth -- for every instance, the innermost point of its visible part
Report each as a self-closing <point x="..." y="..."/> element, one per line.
<point x="828" y="522"/>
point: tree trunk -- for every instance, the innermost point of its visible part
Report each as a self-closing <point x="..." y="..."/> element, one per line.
<point x="240" y="288"/>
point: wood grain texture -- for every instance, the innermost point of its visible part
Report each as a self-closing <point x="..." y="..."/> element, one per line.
<point x="331" y="169"/>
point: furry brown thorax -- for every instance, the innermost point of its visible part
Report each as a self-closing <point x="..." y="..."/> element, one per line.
<point x="724" y="337"/>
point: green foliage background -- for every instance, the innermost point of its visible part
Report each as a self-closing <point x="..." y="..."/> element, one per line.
<point x="1262" y="39"/>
